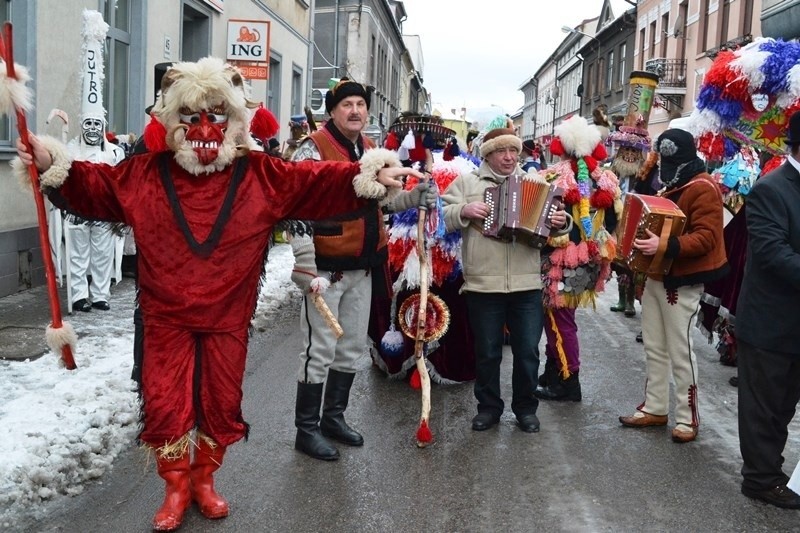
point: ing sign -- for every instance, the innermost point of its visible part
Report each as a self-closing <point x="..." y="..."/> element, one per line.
<point x="248" y="40"/>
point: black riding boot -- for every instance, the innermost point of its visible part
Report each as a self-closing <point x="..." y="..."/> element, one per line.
<point x="620" y="305"/>
<point x="550" y="373"/>
<point x="630" y="294"/>
<point x="561" y="389"/>
<point x="337" y="393"/>
<point x="309" y="439"/>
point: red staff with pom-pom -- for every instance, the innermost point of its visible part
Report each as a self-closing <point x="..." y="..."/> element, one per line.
<point x="13" y="93"/>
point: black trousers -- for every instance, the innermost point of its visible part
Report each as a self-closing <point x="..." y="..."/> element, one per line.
<point x="769" y="389"/>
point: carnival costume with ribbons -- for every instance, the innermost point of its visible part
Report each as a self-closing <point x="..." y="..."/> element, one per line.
<point x="576" y="266"/>
<point x="428" y="144"/>
<point x="743" y="106"/>
<point x="747" y="98"/>
<point x="576" y="270"/>
<point x="451" y="358"/>
<point x="203" y="204"/>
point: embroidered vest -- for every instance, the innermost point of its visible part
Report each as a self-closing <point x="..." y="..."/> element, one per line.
<point x="355" y="240"/>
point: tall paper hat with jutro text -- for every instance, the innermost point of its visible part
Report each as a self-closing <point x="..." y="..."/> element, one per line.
<point x="93" y="36"/>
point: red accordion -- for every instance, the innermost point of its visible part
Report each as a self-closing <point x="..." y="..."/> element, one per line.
<point x="659" y="215"/>
<point x="519" y="210"/>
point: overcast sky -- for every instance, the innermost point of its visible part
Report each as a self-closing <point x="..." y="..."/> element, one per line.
<point x="477" y="55"/>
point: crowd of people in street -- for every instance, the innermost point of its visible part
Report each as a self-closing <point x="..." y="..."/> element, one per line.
<point x="203" y="200"/>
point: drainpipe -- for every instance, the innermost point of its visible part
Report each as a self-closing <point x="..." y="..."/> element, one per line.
<point x="311" y="37"/>
<point x="336" y="40"/>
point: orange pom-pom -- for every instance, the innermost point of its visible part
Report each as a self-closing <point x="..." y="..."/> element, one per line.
<point x="571" y="256"/>
<point x="416" y="380"/>
<point x="557" y="256"/>
<point x="583" y="253"/>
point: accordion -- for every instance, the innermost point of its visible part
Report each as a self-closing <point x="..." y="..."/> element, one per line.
<point x="659" y="215"/>
<point x="519" y="210"/>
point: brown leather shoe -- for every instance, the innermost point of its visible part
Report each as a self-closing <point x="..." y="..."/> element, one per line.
<point x="682" y="436"/>
<point x="647" y="420"/>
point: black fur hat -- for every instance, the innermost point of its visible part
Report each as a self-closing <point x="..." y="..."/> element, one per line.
<point x="343" y="89"/>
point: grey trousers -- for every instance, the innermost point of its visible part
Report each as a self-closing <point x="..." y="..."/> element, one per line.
<point x="349" y="300"/>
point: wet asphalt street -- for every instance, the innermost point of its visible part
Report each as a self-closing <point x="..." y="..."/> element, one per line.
<point x="582" y="472"/>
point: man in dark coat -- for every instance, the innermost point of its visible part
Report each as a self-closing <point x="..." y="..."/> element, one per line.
<point x="767" y="323"/>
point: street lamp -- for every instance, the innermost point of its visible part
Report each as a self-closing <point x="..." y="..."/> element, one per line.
<point x="567" y="29"/>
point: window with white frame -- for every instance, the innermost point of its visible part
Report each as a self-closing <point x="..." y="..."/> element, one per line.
<point x="297" y="90"/>
<point x="621" y="80"/>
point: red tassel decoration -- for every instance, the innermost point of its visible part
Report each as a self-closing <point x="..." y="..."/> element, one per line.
<point x="155" y="135"/>
<point x="556" y="148"/>
<point x="391" y="142"/>
<point x="424" y="435"/>
<point x="591" y="163"/>
<point x="600" y="153"/>
<point x="602" y="199"/>
<point x="447" y="155"/>
<point x="264" y="125"/>
<point x="416" y="380"/>
<point x="572" y="196"/>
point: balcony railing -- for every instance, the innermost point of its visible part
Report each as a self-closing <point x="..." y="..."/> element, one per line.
<point x="671" y="72"/>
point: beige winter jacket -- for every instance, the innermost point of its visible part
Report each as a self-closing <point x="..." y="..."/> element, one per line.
<point x="489" y="265"/>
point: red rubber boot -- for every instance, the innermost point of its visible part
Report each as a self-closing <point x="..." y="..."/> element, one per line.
<point x="207" y="459"/>
<point x="177" y="497"/>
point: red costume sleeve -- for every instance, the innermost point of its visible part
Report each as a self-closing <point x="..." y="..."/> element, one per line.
<point x="89" y="192"/>
<point x="308" y="190"/>
<point x="198" y="267"/>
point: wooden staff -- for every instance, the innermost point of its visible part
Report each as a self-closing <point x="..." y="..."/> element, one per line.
<point x="327" y="314"/>
<point x="58" y="332"/>
<point x="424" y="434"/>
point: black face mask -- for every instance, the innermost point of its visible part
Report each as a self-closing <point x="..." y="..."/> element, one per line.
<point x="672" y="175"/>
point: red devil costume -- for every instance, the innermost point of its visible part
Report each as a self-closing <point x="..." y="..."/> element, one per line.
<point x="202" y="206"/>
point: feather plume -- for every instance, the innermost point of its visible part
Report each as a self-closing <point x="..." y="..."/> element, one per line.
<point x="14" y="93"/>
